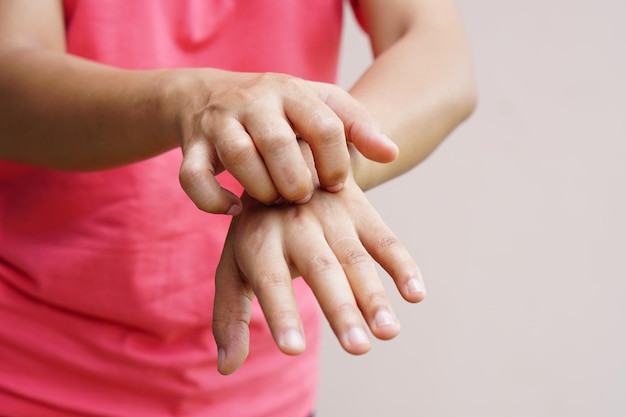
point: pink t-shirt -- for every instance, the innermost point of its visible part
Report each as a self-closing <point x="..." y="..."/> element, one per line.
<point x="106" y="278"/>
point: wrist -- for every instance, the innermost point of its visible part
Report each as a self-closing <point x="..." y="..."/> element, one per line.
<point x="183" y="95"/>
<point x="171" y="91"/>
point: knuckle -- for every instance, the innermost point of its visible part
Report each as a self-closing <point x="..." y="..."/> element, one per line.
<point x="214" y="113"/>
<point x="322" y="263"/>
<point x="355" y="257"/>
<point x="237" y="151"/>
<point x="388" y="243"/>
<point x="329" y="128"/>
<point x="276" y="82"/>
<point x="194" y="180"/>
<point x="271" y="279"/>
<point x="268" y="281"/>
<point x="229" y="328"/>
<point x="273" y="140"/>
<point x="235" y="96"/>
<point x="190" y="174"/>
<point x="291" y="83"/>
<point x="268" y="77"/>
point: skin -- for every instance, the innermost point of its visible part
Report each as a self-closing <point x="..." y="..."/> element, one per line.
<point x="63" y="112"/>
<point x="60" y="111"/>
<point x="334" y="242"/>
<point x="420" y="87"/>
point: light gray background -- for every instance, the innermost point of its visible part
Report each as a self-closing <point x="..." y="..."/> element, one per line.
<point x="518" y="222"/>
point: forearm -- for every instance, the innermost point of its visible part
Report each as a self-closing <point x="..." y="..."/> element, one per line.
<point x="63" y="112"/>
<point x="420" y="87"/>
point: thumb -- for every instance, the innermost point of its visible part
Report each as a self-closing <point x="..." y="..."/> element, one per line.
<point x="197" y="178"/>
<point x="231" y="314"/>
<point x="362" y="130"/>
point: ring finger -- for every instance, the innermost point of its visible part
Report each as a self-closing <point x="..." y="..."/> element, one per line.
<point x="314" y="259"/>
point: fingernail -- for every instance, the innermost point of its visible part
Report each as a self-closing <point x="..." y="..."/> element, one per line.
<point x="383" y="318"/>
<point x="292" y="339"/>
<point x="335" y="188"/>
<point x="221" y="357"/>
<point x="234" y="210"/>
<point x="356" y="336"/>
<point x="304" y="199"/>
<point x="415" y="286"/>
<point x="279" y="201"/>
<point x="388" y="139"/>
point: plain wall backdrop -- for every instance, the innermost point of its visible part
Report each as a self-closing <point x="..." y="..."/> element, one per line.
<point x="518" y="222"/>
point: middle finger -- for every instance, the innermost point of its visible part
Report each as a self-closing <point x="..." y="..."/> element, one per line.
<point x="276" y="142"/>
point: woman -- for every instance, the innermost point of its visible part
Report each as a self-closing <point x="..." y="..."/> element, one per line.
<point x="108" y="270"/>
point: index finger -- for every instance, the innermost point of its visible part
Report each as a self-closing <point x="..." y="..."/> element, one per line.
<point x="268" y="275"/>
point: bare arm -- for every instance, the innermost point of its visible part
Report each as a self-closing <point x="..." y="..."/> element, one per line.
<point x="60" y="111"/>
<point x="56" y="109"/>
<point x="420" y="85"/>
